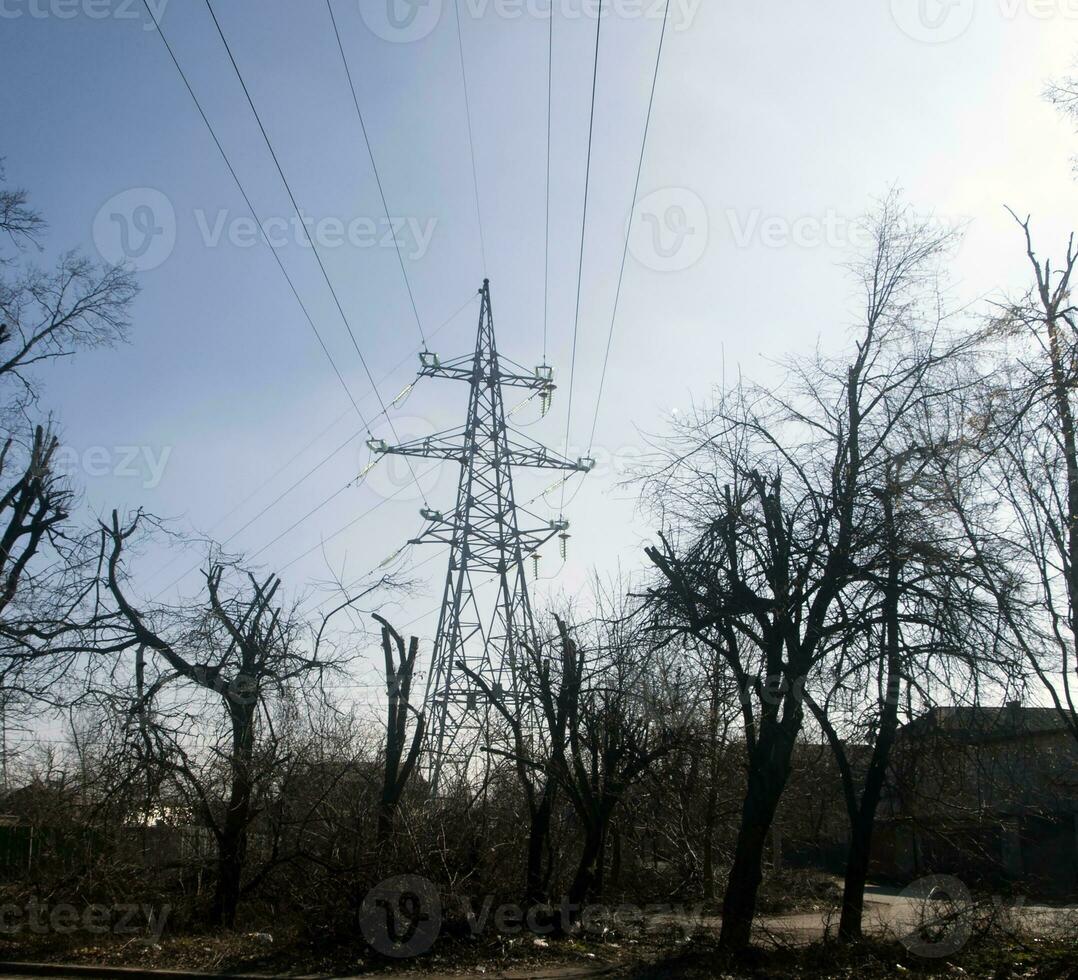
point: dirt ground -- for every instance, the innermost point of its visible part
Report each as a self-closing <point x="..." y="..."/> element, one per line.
<point x="694" y="960"/>
<point x="683" y="944"/>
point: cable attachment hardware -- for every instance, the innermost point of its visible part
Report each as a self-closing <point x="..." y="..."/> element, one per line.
<point x="545" y="373"/>
<point x="561" y="526"/>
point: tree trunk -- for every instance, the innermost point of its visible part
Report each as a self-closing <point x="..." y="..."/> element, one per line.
<point x="862" y="827"/>
<point x="232" y="843"/>
<point x="230" y="861"/>
<point x="739" y="902"/>
<point x="768" y="771"/>
<point x="584" y="879"/>
<point x="853" y="889"/>
<point x="712" y="806"/>
<point x="385" y="822"/>
<point x="537" y="836"/>
<point x="863" y="820"/>
<point x="709" y="860"/>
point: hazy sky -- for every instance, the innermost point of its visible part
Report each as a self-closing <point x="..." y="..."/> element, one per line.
<point x="775" y="125"/>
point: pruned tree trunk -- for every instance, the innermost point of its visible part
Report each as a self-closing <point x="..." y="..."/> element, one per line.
<point x="400" y="756"/>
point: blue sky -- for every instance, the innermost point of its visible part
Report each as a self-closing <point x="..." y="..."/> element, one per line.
<point x="775" y="125"/>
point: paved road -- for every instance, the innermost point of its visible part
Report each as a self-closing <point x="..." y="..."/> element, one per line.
<point x="890" y="911"/>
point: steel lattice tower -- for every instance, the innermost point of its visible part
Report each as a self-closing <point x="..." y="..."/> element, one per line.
<point x="484" y="539"/>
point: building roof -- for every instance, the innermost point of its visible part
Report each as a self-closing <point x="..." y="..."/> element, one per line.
<point x="988" y="721"/>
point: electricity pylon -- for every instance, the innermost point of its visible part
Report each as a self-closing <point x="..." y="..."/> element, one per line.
<point x="484" y="539"/>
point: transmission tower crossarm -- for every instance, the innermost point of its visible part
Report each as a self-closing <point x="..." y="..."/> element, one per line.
<point x="441" y="445"/>
<point x="464" y="369"/>
<point x="452" y="445"/>
<point x="487" y="550"/>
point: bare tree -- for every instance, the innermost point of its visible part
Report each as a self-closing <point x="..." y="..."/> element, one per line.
<point x="33" y="510"/>
<point x="920" y="627"/>
<point x="621" y="724"/>
<point x="49" y="314"/>
<point x="539" y="736"/>
<point x="238" y="646"/>
<point x="720" y="721"/>
<point x="1063" y="94"/>
<point x="44" y="315"/>
<point x="20" y="222"/>
<point x="1024" y="528"/>
<point x="767" y="500"/>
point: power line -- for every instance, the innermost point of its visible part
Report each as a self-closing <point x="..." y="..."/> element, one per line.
<point x="583" y="231"/>
<point x="351" y="523"/>
<point x="374" y="166"/>
<point x="322" y="505"/>
<point x="291" y="527"/>
<point x="253" y="210"/>
<point x="440" y="553"/>
<point x="284" y="493"/>
<point x="273" y="503"/>
<point x="308" y="443"/>
<point x="280" y="265"/>
<point x="628" y="229"/>
<point x="270" y="506"/>
<point x="471" y="299"/>
<point x="302" y="520"/>
<point x="471" y="141"/>
<point x="299" y="214"/>
<point x="546" y="246"/>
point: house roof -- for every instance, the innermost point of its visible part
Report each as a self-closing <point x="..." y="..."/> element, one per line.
<point x="987" y="721"/>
